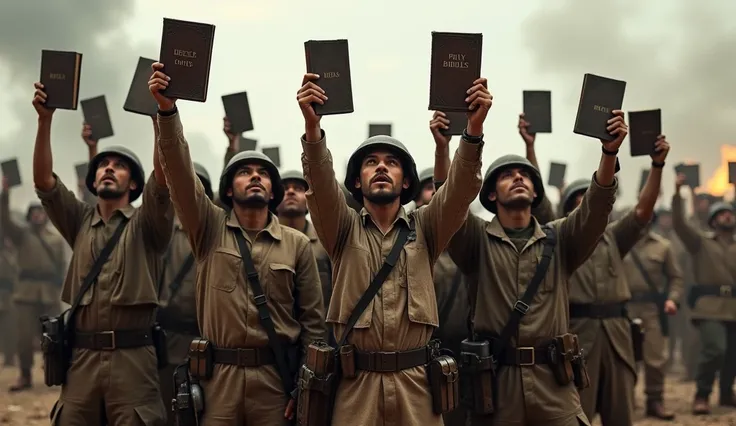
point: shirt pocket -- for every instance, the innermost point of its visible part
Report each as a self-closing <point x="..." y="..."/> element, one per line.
<point x="421" y="297"/>
<point x="280" y="284"/>
<point x="527" y="274"/>
<point x="223" y="269"/>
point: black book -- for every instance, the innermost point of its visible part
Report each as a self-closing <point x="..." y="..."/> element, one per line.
<point x="556" y="174"/>
<point x="237" y="111"/>
<point x="691" y="172"/>
<point x="245" y="144"/>
<point x="644" y="129"/>
<point x="538" y="111"/>
<point x="81" y="169"/>
<point x="11" y="172"/>
<point x="60" y="73"/>
<point x="379" y="129"/>
<point x="139" y="99"/>
<point x="455" y="65"/>
<point x="330" y="59"/>
<point x="599" y="97"/>
<point x="274" y="155"/>
<point x="96" y="115"/>
<point x="731" y="172"/>
<point x="458" y="121"/>
<point x="186" y="52"/>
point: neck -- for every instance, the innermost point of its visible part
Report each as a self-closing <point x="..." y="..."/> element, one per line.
<point x="251" y="219"/>
<point x="107" y="207"/>
<point x="297" y="222"/>
<point x="724" y="235"/>
<point x="514" y="219"/>
<point x="383" y="215"/>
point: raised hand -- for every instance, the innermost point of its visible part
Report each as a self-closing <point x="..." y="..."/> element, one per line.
<point x="158" y="82"/>
<point x="39" y="102"/>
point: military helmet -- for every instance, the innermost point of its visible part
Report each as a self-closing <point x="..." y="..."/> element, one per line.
<point x="245" y="157"/>
<point x="717" y="208"/>
<point x="571" y="191"/>
<point x="425" y="175"/>
<point x="504" y="162"/>
<point x="31" y="207"/>
<point x="205" y="178"/>
<point x="393" y="145"/>
<point x="136" y="169"/>
<point x="294" y="175"/>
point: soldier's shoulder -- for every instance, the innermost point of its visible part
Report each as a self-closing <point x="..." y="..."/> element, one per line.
<point x="289" y="233"/>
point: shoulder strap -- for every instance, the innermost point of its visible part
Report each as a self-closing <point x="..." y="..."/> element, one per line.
<point x="175" y="285"/>
<point x="251" y="276"/>
<point x="91" y="277"/>
<point x="450" y="301"/>
<point x="378" y="280"/>
<point x="49" y="252"/>
<point x="521" y="307"/>
<point x="643" y="272"/>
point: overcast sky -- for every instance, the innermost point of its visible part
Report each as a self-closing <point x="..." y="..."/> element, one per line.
<point x="674" y="54"/>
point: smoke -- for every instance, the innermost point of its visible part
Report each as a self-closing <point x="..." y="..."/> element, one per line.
<point x="677" y="56"/>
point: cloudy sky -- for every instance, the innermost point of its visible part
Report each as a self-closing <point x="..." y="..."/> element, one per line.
<point x="674" y="54"/>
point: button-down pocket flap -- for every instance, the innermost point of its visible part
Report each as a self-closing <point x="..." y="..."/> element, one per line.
<point x="224" y="268"/>
<point x="421" y="298"/>
<point x="280" y="286"/>
<point x="275" y="267"/>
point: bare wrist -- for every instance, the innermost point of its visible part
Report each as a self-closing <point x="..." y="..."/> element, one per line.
<point x="474" y="130"/>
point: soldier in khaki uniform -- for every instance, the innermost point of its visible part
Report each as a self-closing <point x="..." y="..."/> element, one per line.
<point x="113" y="377"/>
<point x="246" y="386"/>
<point x="712" y="297"/>
<point x="8" y="277"/>
<point x="178" y="310"/>
<point x="41" y="268"/>
<point x="400" y="321"/>
<point x="652" y="263"/>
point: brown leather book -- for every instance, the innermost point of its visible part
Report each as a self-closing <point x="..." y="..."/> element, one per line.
<point x="644" y="128"/>
<point x="455" y="65"/>
<point x="139" y="100"/>
<point x="331" y="60"/>
<point x="237" y="111"/>
<point x="556" y="174"/>
<point x="11" y="172"/>
<point x="81" y="169"/>
<point x="691" y="172"/>
<point x="245" y="144"/>
<point x="186" y="52"/>
<point x="731" y="172"/>
<point x="458" y="122"/>
<point x="643" y="179"/>
<point x="599" y="97"/>
<point x="379" y="129"/>
<point x="60" y="72"/>
<point x="96" y="115"/>
<point x="538" y="111"/>
<point x="273" y="154"/>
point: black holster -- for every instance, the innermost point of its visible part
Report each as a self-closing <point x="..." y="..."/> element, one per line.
<point x="637" y="338"/>
<point x="55" y="348"/>
<point x="477" y="376"/>
<point x="159" y="342"/>
<point x="188" y="403"/>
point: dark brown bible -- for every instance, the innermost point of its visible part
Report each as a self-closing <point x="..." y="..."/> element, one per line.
<point x="81" y="169"/>
<point x="731" y="172"/>
<point x="274" y="155"/>
<point x="458" y="121"/>
<point x="139" y="100"/>
<point x="379" y="129"/>
<point x="237" y="111"/>
<point x="556" y="174"/>
<point x="331" y="60"/>
<point x="96" y="115"/>
<point x="60" y="72"/>
<point x="644" y="128"/>
<point x="186" y="52"/>
<point x="643" y="179"/>
<point x="246" y="144"/>
<point x="538" y="111"/>
<point x="691" y="172"/>
<point x="455" y="65"/>
<point x="11" y="172"/>
<point x="599" y="97"/>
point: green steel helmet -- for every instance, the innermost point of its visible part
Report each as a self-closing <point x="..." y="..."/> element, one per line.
<point x="504" y="162"/>
<point x="294" y="175"/>
<point x="717" y="208"/>
<point x="570" y="192"/>
<point x="136" y="169"/>
<point x="425" y="175"/>
<point x="205" y="178"/>
<point x="31" y="207"/>
<point x="349" y="200"/>
<point x="246" y="157"/>
<point x="390" y="144"/>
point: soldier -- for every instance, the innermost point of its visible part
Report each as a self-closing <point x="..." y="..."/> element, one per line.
<point x="598" y="296"/>
<point x="8" y="277"/>
<point x="711" y="299"/>
<point x="530" y="390"/>
<point x="112" y="377"/>
<point x="655" y="282"/>
<point x="254" y="340"/>
<point x="41" y="268"/>
<point x="389" y="341"/>
<point x="178" y="310"/>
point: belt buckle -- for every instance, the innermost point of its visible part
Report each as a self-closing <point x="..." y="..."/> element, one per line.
<point x="113" y="343"/>
<point x="247" y="357"/>
<point x="385" y="362"/>
<point x="520" y="358"/>
<point x="726" y="291"/>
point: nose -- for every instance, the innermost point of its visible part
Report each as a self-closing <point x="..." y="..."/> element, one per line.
<point x="382" y="167"/>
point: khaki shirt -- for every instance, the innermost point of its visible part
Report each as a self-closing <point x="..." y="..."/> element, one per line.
<point x="482" y="248"/>
<point x="403" y="315"/>
<point x="324" y="265"/>
<point x="8" y="273"/>
<point x="658" y="259"/>
<point x="125" y="295"/>
<point x="183" y="302"/>
<point x="454" y="329"/>
<point x="713" y="265"/>
<point x="226" y="311"/>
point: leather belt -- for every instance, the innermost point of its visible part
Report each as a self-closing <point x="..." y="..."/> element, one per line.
<point x="646" y="297"/>
<point x="714" y="290"/>
<point x="244" y="357"/>
<point x="525" y="356"/>
<point x="389" y="362"/>
<point x="598" y="311"/>
<point x="111" y="340"/>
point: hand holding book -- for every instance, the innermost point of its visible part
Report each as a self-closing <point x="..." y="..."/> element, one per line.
<point x="39" y="102"/>
<point x="661" y="149"/>
<point x="479" y="102"/>
<point x="438" y="123"/>
<point x="157" y="84"/>
<point x="616" y="127"/>
<point x="310" y="93"/>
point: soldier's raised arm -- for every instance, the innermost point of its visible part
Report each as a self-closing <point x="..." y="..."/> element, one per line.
<point x="193" y="208"/>
<point x="442" y="159"/>
<point x="691" y="238"/>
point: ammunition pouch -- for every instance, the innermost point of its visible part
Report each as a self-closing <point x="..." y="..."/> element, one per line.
<point x="55" y="349"/>
<point x="347" y="362"/>
<point x="444" y="383"/>
<point x="637" y="338"/>
<point x="579" y="367"/>
<point x="188" y="403"/>
<point x="201" y="359"/>
<point x="159" y="342"/>
<point x="561" y="355"/>
<point x="477" y="376"/>
<point x="317" y="384"/>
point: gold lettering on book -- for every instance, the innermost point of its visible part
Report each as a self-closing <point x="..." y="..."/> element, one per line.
<point x="601" y="109"/>
<point x="455" y="60"/>
<point x="183" y="57"/>
<point x="57" y="76"/>
<point x="331" y="74"/>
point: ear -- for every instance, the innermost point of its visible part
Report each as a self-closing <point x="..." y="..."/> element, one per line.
<point x="535" y="194"/>
<point x="357" y="183"/>
<point x="133" y="185"/>
<point x="492" y="196"/>
<point x="229" y="192"/>
<point x="405" y="184"/>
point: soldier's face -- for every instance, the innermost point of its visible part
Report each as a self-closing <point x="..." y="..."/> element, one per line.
<point x="295" y="199"/>
<point x="38" y="216"/>
<point x="251" y="186"/>
<point x="514" y="189"/>
<point x="426" y="194"/>
<point x="113" y="178"/>
<point x="725" y="220"/>
<point x="381" y="178"/>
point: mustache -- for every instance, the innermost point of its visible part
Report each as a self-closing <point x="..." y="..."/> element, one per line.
<point x="109" y="176"/>
<point x="382" y="178"/>
<point x="519" y="185"/>
<point x="255" y="185"/>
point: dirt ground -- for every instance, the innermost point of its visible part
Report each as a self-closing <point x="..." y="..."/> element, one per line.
<point x="32" y="408"/>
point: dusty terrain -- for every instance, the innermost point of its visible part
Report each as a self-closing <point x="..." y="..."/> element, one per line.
<point x="32" y="408"/>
